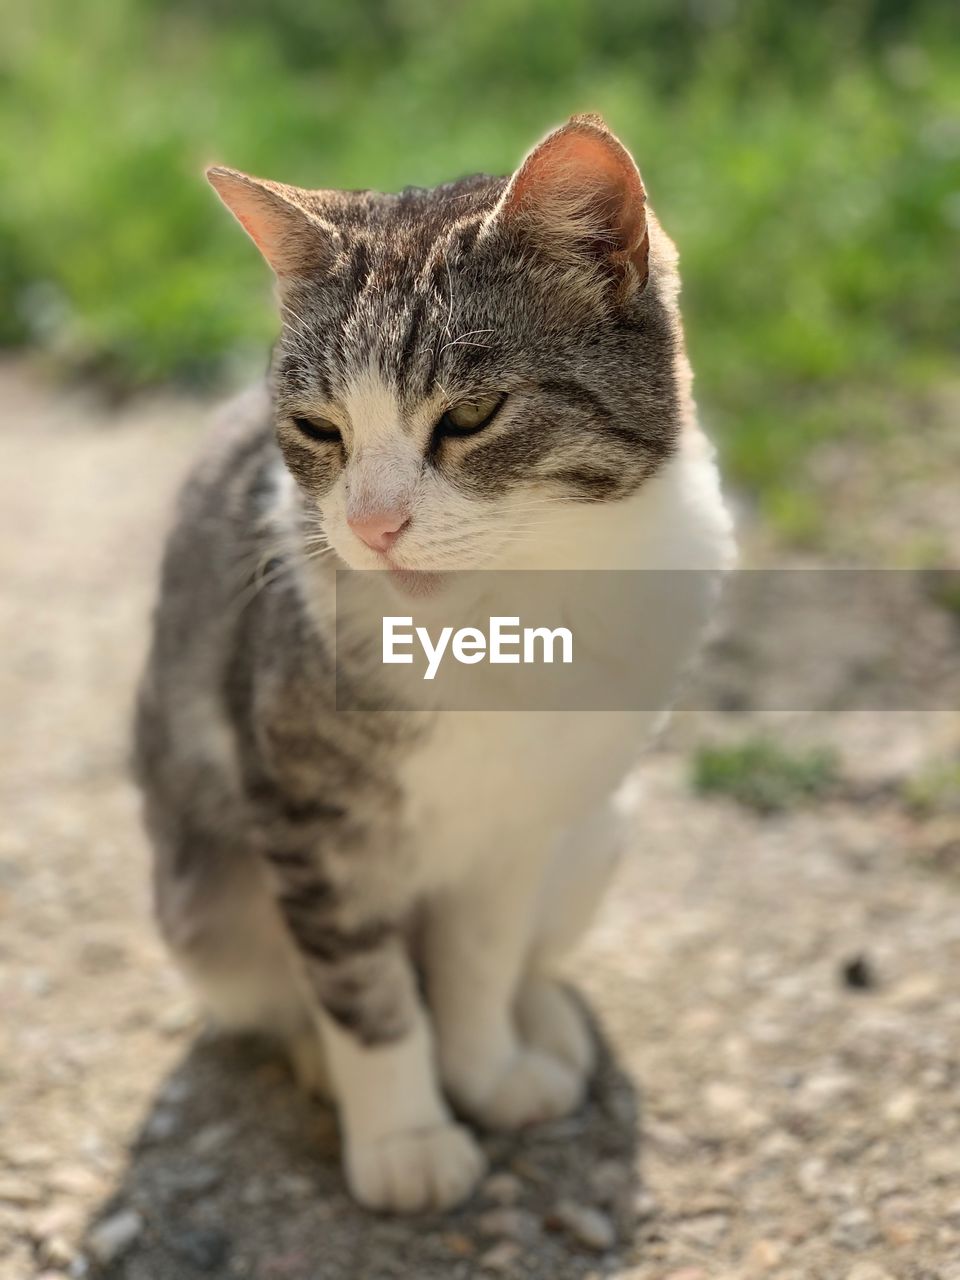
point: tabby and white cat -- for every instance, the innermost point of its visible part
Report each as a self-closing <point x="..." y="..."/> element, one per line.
<point x="488" y="374"/>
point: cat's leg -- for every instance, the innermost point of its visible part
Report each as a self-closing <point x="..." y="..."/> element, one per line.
<point x="549" y="1017"/>
<point x="223" y="927"/>
<point x="402" y="1149"/>
<point x="476" y="942"/>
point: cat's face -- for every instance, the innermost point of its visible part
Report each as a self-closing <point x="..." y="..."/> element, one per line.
<point x="455" y="365"/>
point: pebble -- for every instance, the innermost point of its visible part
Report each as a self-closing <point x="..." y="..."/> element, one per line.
<point x="687" y="1273"/>
<point x="213" y="1136"/>
<point x="296" y="1185"/>
<point x="608" y="1181"/>
<point x="868" y="1271"/>
<point x="202" y="1247"/>
<point x="502" y="1188"/>
<point x="62" y="1218"/>
<point x="456" y="1242"/>
<point x="858" y="974"/>
<point x="511" y="1223"/>
<point x="853" y="1230"/>
<point x="645" y="1205"/>
<point x="114" y="1235"/>
<point x="56" y="1251"/>
<point x="764" y="1255"/>
<point x="943" y="1162"/>
<point x="502" y="1257"/>
<point x="76" y="1179"/>
<point x="707" y="1229"/>
<point x="589" y="1227"/>
<point x="810" y="1176"/>
<point x="161" y="1126"/>
<point x="20" y="1191"/>
<point x="902" y="1106"/>
<point x="177" y="1020"/>
<point x="195" y="1179"/>
<point x="732" y="1103"/>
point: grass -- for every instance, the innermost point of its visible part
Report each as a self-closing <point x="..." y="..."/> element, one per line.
<point x="805" y="168"/>
<point x="765" y="777"/>
<point x="934" y="789"/>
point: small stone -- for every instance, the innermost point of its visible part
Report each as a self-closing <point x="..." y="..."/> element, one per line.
<point x="764" y="1255"/>
<point x="20" y="1191"/>
<point x="61" y="1219"/>
<point x="608" y="1180"/>
<point x="902" y="1106"/>
<point x="56" y="1251"/>
<point x="687" y="1273"/>
<point x="255" y="1192"/>
<point x="196" y="1179"/>
<point x="203" y="1247"/>
<point x="900" y="1234"/>
<point x="178" y="1019"/>
<point x="161" y="1126"/>
<point x="511" y="1223"/>
<point x="213" y="1136"/>
<point x="853" y="1230"/>
<point x="76" y="1179"/>
<point x="942" y="1162"/>
<point x="733" y="1104"/>
<point x="589" y="1227"/>
<point x="30" y="1154"/>
<point x="296" y="1185"/>
<point x="456" y="1242"/>
<point x="828" y="1087"/>
<point x="666" y="1137"/>
<point x="916" y="991"/>
<point x="502" y="1257"/>
<point x="858" y="974"/>
<point x="113" y="1236"/>
<point x="707" y="1229"/>
<point x="502" y="1188"/>
<point x="868" y="1271"/>
<point x="645" y="1205"/>
<point x="810" y="1176"/>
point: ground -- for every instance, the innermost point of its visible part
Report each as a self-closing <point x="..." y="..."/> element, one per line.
<point x="777" y="994"/>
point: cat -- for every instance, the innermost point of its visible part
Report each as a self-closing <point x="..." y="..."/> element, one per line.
<point x="488" y="374"/>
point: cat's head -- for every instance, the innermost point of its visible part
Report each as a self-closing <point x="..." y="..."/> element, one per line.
<point x="458" y="365"/>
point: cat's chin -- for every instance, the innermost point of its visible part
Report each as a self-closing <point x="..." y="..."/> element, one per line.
<point x="417" y="584"/>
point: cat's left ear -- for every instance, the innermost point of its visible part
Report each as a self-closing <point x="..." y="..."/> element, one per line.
<point x="579" y="198"/>
<point x="292" y="237"/>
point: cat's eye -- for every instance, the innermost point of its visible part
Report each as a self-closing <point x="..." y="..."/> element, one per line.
<point x="318" y="429"/>
<point x="470" y="416"/>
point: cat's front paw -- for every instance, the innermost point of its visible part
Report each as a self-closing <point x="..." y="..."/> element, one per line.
<point x="532" y="1088"/>
<point x="551" y="1020"/>
<point x="415" y="1171"/>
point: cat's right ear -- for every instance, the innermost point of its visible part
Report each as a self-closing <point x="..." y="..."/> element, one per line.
<point x="578" y="198"/>
<point x="293" y="238"/>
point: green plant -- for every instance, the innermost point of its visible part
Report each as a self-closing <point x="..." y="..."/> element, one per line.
<point x="765" y="777"/>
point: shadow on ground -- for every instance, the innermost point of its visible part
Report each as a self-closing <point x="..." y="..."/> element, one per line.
<point x="235" y="1173"/>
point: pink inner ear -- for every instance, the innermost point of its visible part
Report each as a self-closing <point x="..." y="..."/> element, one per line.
<point x="586" y="165"/>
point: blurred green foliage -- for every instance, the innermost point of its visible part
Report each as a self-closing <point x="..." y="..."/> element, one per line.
<point x="804" y="157"/>
<point x="766" y="777"/>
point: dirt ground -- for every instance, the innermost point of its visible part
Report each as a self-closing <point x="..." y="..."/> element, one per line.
<point x="779" y="997"/>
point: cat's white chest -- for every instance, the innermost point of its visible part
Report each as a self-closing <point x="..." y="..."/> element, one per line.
<point x="489" y="779"/>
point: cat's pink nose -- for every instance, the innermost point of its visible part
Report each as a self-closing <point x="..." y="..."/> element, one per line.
<point x="379" y="530"/>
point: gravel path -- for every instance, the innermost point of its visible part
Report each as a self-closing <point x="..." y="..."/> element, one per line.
<point x="779" y="997"/>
